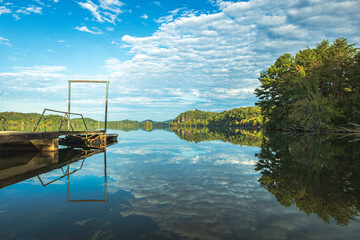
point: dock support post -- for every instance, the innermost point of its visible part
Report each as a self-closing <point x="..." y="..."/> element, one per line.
<point x="46" y="145"/>
<point x="28" y="146"/>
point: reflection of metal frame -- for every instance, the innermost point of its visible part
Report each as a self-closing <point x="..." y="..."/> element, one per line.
<point x="82" y="156"/>
<point x="92" y="200"/>
<point x="64" y="174"/>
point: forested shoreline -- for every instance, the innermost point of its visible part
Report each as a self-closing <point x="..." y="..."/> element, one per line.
<point x="27" y="121"/>
<point x="317" y="90"/>
<point x="244" y="117"/>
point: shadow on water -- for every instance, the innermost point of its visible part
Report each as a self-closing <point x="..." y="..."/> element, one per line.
<point x="16" y="168"/>
<point x="318" y="174"/>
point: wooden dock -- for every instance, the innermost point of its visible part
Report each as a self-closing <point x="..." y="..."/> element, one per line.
<point x="11" y="141"/>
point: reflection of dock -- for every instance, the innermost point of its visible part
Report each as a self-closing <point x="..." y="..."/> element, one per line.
<point x="14" y="169"/>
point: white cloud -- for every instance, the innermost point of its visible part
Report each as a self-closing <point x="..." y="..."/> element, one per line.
<point x="39" y="2"/>
<point x="157" y="3"/>
<point x="5" y="41"/>
<point x="16" y="16"/>
<point x="112" y="5"/>
<point x="164" y="19"/>
<point x="4" y="10"/>
<point x="144" y="16"/>
<point x="26" y="85"/>
<point x="93" y="8"/>
<point x="29" y="10"/>
<point x="94" y="30"/>
<point x="176" y="11"/>
<point x="220" y="55"/>
<point x="105" y="11"/>
<point x="205" y="61"/>
<point x="44" y="72"/>
<point x="17" y="10"/>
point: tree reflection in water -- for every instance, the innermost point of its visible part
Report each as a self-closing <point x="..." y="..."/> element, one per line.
<point x="243" y="137"/>
<point x="318" y="174"/>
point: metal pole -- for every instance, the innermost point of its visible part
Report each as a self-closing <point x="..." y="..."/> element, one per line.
<point x="62" y="120"/>
<point x="69" y="105"/>
<point x="105" y="174"/>
<point x="39" y="120"/>
<point x="67" y="183"/>
<point x="84" y="122"/>
<point x="106" y="104"/>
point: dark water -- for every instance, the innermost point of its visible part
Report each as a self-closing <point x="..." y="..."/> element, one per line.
<point x="195" y="184"/>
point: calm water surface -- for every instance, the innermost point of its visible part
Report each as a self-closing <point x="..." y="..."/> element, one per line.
<point x="162" y="185"/>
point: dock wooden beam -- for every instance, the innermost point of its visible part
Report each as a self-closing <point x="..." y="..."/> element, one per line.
<point x="11" y="141"/>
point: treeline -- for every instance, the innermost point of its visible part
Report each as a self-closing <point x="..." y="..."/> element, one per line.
<point x="317" y="89"/>
<point x="245" y="117"/>
<point x="125" y="125"/>
<point x="130" y="125"/>
<point x="27" y="121"/>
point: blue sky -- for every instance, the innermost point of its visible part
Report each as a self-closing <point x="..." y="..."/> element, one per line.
<point x="161" y="57"/>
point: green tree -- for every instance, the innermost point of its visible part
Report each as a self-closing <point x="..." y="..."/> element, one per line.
<point x="271" y="96"/>
<point x="148" y="125"/>
<point x="317" y="89"/>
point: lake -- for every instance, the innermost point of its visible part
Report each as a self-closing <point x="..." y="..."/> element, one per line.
<point x="189" y="184"/>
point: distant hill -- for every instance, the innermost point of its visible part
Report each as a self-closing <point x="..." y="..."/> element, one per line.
<point x="162" y="122"/>
<point x="249" y="117"/>
<point x="27" y="121"/>
<point x="244" y="117"/>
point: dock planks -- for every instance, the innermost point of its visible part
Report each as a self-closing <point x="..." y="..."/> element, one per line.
<point x="14" y="136"/>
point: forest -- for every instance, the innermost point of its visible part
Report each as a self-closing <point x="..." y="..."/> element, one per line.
<point x="27" y="121"/>
<point x="245" y="117"/>
<point x="317" y="89"/>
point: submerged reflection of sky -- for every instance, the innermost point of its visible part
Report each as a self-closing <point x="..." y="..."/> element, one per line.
<point x="208" y="190"/>
<point x="160" y="185"/>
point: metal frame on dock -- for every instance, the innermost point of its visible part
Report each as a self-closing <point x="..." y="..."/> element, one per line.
<point x="65" y="114"/>
<point x="49" y="141"/>
<point x="88" y="81"/>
